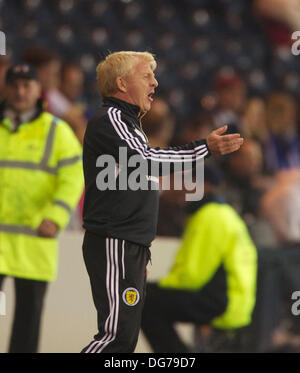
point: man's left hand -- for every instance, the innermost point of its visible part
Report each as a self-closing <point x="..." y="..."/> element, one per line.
<point x="220" y="145"/>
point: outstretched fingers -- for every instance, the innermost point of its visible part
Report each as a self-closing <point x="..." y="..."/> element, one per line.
<point x="231" y="146"/>
<point x="231" y="137"/>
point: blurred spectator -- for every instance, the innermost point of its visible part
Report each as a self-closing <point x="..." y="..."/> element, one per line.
<point x="283" y="146"/>
<point x="244" y="186"/>
<point x="158" y="125"/>
<point x="213" y="279"/>
<point x="198" y="127"/>
<point x="242" y="171"/>
<point x="254" y="124"/>
<point x="72" y="79"/>
<point x="40" y="186"/>
<point x="285" y="11"/>
<point x="71" y="85"/>
<point x="4" y="65"/>
<point x="280" y="19"/>
<point x="48" y="66"/>
<point x="231" y="93"/>
<point x="171" y="210"/>
<point x="171" y="216"/>
<point x="281" y="206"/>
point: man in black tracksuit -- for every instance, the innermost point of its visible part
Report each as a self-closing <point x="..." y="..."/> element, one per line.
<point x="120" y="221"/>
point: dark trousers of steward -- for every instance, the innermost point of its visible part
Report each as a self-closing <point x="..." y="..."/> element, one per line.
<point x="29" y="295"/>
<point x="117" y="271"/>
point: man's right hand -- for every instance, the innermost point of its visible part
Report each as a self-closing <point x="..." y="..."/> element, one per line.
<point x="220" y="145"/>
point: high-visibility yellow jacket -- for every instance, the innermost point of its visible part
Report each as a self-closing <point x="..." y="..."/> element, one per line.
<point x="215" y="235"/>
<point x="41" y="177"/>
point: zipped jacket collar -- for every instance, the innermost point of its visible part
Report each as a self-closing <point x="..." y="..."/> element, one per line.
<point x="126" y="107"/>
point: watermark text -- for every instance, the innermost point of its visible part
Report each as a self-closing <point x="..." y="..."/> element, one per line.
<point x="2" y="44"/>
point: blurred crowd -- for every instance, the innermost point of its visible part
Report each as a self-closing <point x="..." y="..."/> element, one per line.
<point x="62" y="85"/>
<point x="62" y="94"/>
<point x="261" y="180"/>
<point x="268" y="118"/>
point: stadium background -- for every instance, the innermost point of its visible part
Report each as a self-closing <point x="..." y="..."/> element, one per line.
<point x="201" y="47"/>
<point x="192" y="39"/>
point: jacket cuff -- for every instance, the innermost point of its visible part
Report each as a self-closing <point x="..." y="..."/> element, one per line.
<point x="203" y="142"/>
<point x="209" y="153"/>
<point x="58" y="214"/>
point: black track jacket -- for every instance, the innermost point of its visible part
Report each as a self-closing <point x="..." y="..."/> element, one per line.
<point x="125" y="214"/>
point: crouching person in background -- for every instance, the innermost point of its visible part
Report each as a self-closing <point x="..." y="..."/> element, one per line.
<point x="41" y="181"/>
<point x="213" y="279"/>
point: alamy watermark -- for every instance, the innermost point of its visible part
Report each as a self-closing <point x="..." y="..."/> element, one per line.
<point x="2" y="303"/>
<point x="296" y="305"/>
<point x="137" y="173"/>
<point x="296" y="45"/>
<point x="2" y="44"/>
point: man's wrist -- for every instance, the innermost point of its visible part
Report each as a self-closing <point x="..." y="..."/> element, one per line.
<point x="209" y="153"/>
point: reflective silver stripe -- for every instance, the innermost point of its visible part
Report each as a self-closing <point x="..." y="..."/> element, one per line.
<point x="43" y="165"/>
<point x="29" y="166"/>
<point x="38" y="166"/>
<point x="123" y="264"/>
<point x="112" y="289"/>
<point x="68" y="161"/>
<point x="21" y="229"/>
<point x="63" y="205"/>
<point x="49" y="143"/>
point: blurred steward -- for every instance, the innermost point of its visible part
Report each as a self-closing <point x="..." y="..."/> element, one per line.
<point x="48" y="67"/>
<point x="231" y="93"/>
<point x="213" y="278"/>
<point x="283" y="146"/>
<point x="41" y="180"/>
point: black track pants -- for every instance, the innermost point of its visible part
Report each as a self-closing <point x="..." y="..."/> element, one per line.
<point x="117" y="271"/>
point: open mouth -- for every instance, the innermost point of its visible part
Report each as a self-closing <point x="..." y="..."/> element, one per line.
<point x="150" y="96"/>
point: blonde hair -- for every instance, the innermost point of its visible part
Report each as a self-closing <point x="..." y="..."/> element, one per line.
<point x="119" y="64"/>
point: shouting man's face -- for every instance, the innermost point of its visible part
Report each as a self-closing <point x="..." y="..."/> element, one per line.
<point x="140" y="85"/>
